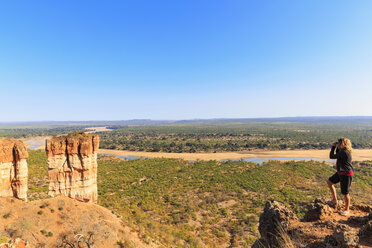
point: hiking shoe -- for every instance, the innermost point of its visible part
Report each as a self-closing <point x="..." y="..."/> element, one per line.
<point x="345" y="213"/>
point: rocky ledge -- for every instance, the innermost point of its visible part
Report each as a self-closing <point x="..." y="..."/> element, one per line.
<point x="322" y="227"/>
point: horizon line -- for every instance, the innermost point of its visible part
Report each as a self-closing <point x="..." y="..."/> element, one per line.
<point x="192" y="119"/>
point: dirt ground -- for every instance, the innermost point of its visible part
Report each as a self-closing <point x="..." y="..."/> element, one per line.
<point x="318" y="230"/>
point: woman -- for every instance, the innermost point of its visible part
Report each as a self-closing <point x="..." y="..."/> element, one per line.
<point x="344" y="173"/>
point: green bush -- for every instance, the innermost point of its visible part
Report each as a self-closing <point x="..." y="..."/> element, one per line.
<point x="6" y="216"/>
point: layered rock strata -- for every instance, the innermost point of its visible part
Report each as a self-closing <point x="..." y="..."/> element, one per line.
<point x="13" y="168"/>
<point x="72" y="162"/>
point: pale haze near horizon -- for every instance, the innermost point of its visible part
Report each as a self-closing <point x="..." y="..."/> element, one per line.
<point x="109" y="60"/>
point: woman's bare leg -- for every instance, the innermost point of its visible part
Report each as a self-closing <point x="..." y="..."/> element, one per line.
<point x="347" y="202"/>
<point x="333" y="191"/>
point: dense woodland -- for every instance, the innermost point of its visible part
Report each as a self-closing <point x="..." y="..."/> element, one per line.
<point x="203" y="204"/>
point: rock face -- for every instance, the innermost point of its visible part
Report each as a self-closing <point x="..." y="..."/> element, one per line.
<point x="323" y="226"/>
<point x="274" y="222"/>
<point x="13" y="168"/>
<point x="72" y="162"/>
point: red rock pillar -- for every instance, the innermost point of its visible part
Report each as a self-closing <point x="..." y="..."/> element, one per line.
<point x="72" y="162"/>
<point x="13" y="168"/>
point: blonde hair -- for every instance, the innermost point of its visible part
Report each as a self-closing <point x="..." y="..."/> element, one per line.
<point x="345" y="144"/>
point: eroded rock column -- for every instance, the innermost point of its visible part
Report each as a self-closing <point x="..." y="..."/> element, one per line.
<point x="13" y="168"/>
<point x="72" y="162"/>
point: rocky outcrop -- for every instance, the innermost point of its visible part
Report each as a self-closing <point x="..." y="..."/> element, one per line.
<point x="323" y="226"/>
<point x="274" y="223"/>
<point x="318" y="211"/>
<point x="343" y="236"/>
<point x="13" y="168"/>
<point x="366" y="230"/>
<point x="72" y="162"/>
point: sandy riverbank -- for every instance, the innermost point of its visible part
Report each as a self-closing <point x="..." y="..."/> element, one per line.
<point x="358" y="154"/>
<point x="36" y="143"/>
<point x="96" y="129"/>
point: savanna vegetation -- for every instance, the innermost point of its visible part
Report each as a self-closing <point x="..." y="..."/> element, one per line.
<point x="206" y="203"/>
<point x="211" y="135"/>
<point x="238" y="135"/>
<point x="23" y="132"/>
<point x="49" y="128"/>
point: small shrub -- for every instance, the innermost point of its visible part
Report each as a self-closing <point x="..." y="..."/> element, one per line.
<point x="6" y="216"/>
<point x="224" y="212"/>
<point x="46" y="234"/>
<point x="40" y="212"/>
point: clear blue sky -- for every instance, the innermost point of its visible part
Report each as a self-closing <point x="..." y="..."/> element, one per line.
<point x="113" y="60"/>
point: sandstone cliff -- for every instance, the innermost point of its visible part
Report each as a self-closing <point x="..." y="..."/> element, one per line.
<point x="322" y="227"/>
<point x="13" y="168"/>
<point x="72" y="162"/>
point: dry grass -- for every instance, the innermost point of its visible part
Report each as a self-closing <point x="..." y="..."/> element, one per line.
<point x="44" y="222"/>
